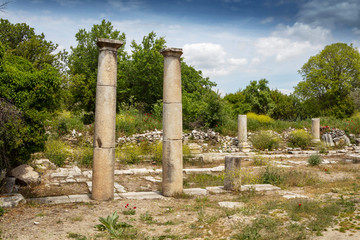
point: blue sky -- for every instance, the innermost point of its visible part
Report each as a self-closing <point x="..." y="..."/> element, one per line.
<point x="231" y="41"/>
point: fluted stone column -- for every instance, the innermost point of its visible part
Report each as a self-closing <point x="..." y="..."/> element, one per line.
<point x="242" y="133"/>
<point x="316" y="129"/>
<point x="172" y="162"/>
<point x="105" y="114"/>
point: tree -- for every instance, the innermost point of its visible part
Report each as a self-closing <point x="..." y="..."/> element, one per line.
<point x="26" y="95"/>
<point x="144" y="73"/>
<point x="21" y="40"/>
<point x="328" y="79"/>
<point x="83" y="63"/>
<point x="257" y="94"/>
<point x="238" y="102"/>
<point x="284" y="106"/>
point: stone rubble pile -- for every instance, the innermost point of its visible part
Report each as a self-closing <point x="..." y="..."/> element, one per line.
<point x="335" y="137"/>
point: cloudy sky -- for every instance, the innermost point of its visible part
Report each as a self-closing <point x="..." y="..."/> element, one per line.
<point x="231" y="41"/>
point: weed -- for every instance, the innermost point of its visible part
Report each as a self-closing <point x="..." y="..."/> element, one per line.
<point x="272" y="175"/>
<point x="129" y="210"/>
<point x="205" y="180"/>
<point x="314" y="160"/>
<point x="147" y="218"/>
<point x="76" y="236"/>
<point x="84" y="156"/>
<point x="260" y="161"/>
<point x="2" y="211"/>
<point x="116" y="229"/>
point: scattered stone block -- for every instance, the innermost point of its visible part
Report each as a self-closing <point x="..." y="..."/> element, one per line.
<point x="142" y="195"/>
<point x="216" y="190"/>
<point x="231" y="204"/>
<point x="119" y="188"/>
<point x="9" y="184"/>
<point x="195" y="191"/>
<point x="140" y="171"/>
<point x="11" y="200"/>
<point x="79" y="198"/>
<point x="152" y="179"/>
<point x="259" y="187"/>
<point x="123" y="172"/>
<point x="51" y="200"/>
<point x="291" y="195"/>
<point x="26" y="174"/>
<point x="197" y="170"/>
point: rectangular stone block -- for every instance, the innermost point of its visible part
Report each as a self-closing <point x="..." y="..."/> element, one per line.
<point x="172" y="121"/>
<point x="103" y="174"/>
<point x="195" y="191"/>
<point x="142" y="195"/>
<point x="79" y="198"/>
<point x="105" y="117"/>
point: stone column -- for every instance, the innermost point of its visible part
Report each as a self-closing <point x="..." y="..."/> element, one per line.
<point x="105" y="114"/>
<point x="172" y="161"/>
<point x="242" y="133"/>
<point x="232" y="177"/>
<point x="316" y="129"/>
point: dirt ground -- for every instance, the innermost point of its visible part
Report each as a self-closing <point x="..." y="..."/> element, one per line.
<point x="178" y="218"/>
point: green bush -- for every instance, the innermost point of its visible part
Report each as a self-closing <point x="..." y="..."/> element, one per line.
<point x="256" y="121"/>
<point x="300" y="138"/>
<point x="265" y="140"/>
<point x="314" y="160"/>
<point x="272" y="175"/>
<point x="56" y="151"/>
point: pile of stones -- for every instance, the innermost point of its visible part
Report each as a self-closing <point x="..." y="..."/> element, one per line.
<point x="335" y="137"/>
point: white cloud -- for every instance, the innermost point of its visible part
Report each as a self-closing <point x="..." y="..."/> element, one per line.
<point x="212" y="59"/>
<point x="288" y="42"/>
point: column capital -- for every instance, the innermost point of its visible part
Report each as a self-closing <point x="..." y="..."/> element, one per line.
<point x="171" y="52"/>
<point x="108" y="44"/>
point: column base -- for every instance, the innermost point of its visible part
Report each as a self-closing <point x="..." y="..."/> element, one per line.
<point x="244" y="147"/>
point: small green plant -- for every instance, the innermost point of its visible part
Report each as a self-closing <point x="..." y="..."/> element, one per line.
<point x="2" y="211"/>
<point x="146" y="217"/>
<point x="265" y="140"/>
<point x="129" y="210"/>
<point x="314" y="160"/>
<point x="116" y="229"/>
<point x="272" y="175"/>
<point x="56" y="151"/>
<point x="300" y="138"/>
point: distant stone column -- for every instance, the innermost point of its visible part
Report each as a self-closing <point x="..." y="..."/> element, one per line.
<point x="242" y="133"/>
<point x="105" y="114"/>
<point x="316" y="129"/>
<point x="172" y="162"/>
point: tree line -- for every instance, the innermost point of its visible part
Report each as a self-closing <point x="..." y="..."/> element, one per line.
<point x="36" y="80"/>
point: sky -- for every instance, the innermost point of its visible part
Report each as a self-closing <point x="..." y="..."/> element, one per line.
<point x="232" y="42"/>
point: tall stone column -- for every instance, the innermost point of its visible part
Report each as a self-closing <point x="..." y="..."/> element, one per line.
<point x="315" y="129"/>
<point x="242" y="133"/>
<point x="105" y="114"/>
<point x="172" y="162"/>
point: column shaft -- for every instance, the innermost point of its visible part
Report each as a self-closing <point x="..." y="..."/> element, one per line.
<point x="316" y="129"/>
<point x="105" y="115"/>
<point x="242" y="133"/>
<point x="172" y="162"/>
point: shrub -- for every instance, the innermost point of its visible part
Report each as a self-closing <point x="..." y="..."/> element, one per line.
<point x="272" y="175"/>
<point x="314" y="160"/>
<point x="256" y="121"/>
<point x="300" y="138"/>
<point x="260" y="161"/>
<point x="265" y="140"/>
<point x="84" y="156"/>
<point x="56" y="152"/>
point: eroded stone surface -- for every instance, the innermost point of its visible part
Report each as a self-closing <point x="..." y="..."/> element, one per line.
<point x="142" y="195"/>
<point x="195" y="191"/>
<point x="231" y="204"/>
<point x="26" y="174"/>
<point x="11" y="200"/>
<point x="259" y="187"/>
